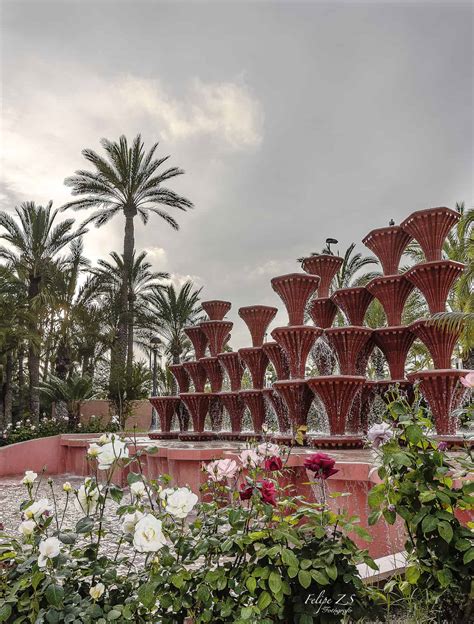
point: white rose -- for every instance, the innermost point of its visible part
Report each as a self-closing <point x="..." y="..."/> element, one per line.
<point x="105" y="437"/>
<point x="222" y="469"/>
<point x="180" y="502"/>
<point x="148" y="535"/>
<point x="96" y="591"/>
<point x="138" y="489"/>
<point x="165" y="493"/>
<point x="130" y="521"/>
<point x="49" y="548"/>
<point x="249" y="458"/>
<point x="267" y="449"/>
<point x="27" y="527"/>
<point x="111" y="452"/>
<point x="38" y="509"/>
<point x="29" y="478"/>
<point x="93" y="450"/>
<point x="67" y="487"/>
<point x="87" y="498"/>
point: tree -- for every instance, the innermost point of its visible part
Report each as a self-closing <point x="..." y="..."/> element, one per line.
<point x="126" y="181"/>
<point x="71" y="391"/>
<point x="34" y="244"/>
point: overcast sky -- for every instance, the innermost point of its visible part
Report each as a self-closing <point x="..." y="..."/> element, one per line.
<point x="293" y="121"/>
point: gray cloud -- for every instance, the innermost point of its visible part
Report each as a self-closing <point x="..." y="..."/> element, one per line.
<point x="294" y="121"/>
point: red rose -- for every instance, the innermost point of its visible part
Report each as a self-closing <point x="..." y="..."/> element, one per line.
<point x="268" y="492"/>
<point x="273" y="463"/>
<point x="246" y="492"/>
<point x="321" y="464"/>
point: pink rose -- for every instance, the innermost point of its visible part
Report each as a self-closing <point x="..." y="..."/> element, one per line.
<point x="273" y="463"/>
<point x="321" y="464"/>
<point x="222" y="469"/>
<point x="468" y="380"/>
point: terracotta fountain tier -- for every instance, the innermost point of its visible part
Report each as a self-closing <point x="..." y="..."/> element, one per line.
<point x="430" y="228"/>
<point x="353" y="302"/>
<point x="348" y="343"/>
<point x="388" y="244"/>
<point x="295" y="289"/>
<point x="198" y="339"/>
<point x="198" y="406"/>
<point x="438" y="339"/>
<point x="394" y="342"/>
<point x="257" y="318"/>
<point x="166" y="407"/>
<point x="392" y="291"/>
<point x="298" y="398"/>
<point x="279" y="407"/>
<point x="324" y="265"/>
<point x="197" y="373"/>
<point x="435" y="280"/>
<point x="232" y="364"/>
<point x="323" y="312"/>
<point x="217" y="333"/>
<point x="364" y="356"/>
<point x="213" y="372"/>
<point x="443" y="392"/>
<point x="235" y="406"/>
<point x="337" y="392"/>
<point x="181" y="376"/>
<point x="297" y="341"/>
<point x="278" y="358"/>
<point x="216" y="309"/>
<point x="368" y="394"/>
<point x="256" y="361"/>
<point x="254" y="400"/>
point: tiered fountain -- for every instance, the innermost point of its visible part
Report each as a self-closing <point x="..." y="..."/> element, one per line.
<point x="346" y="396"/>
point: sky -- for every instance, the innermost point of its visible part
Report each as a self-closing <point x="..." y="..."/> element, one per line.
<point x="294" y="122"/>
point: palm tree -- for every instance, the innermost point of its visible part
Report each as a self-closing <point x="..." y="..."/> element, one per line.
<point x="71" y="392"/>
<point x="34" y="244"/>
<point x="126" y="182"/>
<point x="173" y="310"/>
<point x="348" y="275"/>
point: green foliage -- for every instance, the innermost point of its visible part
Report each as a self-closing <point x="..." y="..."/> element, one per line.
<point x="430" y="490"/>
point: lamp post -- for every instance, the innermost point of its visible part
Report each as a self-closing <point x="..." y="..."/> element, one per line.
<point x="154" y="346"/>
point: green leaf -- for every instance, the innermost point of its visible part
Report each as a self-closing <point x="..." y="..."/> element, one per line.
<point x="67" y="538"/>
<point x="274" y="582"/>
<point x="177" y="580"/>
<point x="376" y="495"/>
<point x="54" y="594"/>
<point x="116" y="493"/>
<point x="112" y="615"/>
<point x="429" y="523"/>
<point x="304" y="578"/>
<point x="414" y="434"/>
<point x="134" y="477"/>
<point x="146" y="595"/>
<point x="427" y="496"/>
<point x="289" y="558"/>
<point x="445" y="577"/>
<point x="468" y="556"/>
<point x="292" y="572"/>
<point x="374" y="517"/>
<point x="331" y="571"/>
<point x="320" y="577"/>
<point x="5" y="612"/>
<point x="446" y="531"/>
<point x="251" y="584"/>
<point x="264" y="600"/>
<point x="85" y="525"/>
<point x="412" y="574"/>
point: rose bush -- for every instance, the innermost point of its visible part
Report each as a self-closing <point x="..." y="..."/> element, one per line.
<point x="250" y="551"/>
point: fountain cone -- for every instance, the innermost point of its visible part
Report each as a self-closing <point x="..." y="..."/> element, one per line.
<point x="278" y="358"/>
<point x="295" y="289"/>
<point x="388" y="244"/>
<point x="325" y="266"/>
<point x="364" y="356"/>
<point x="353" y="302"/>
<point x="297" y="341"/>
<point x="165" y="407"/>
<point x="442" y="391"/>
<point x="254" y="400"/>
<point x="279" y="407"/>
<point x="323" y="356"/>
<point x="198" y="339"/>
<point x="323" y="312"/>
<point x="233" y="403"/>
<point x="438" y="339"/>
<point x="430" y="228"/>
<point x="232" y="363"/>
<point x="337" y="392"/>
<point x="198" y="406"/>
<point x="368" y="394"/>
<point x="181" y="376"/>
<point x="394" y="342"/>
<point x="257" y="318"/>
<point x="256" y="361"/>
<point x="197" y="372"/>
<point x="298" y="398"/>
<point x="213" y="372"/>
<point x="348" y="343"/>
<point x="392" y="291"/>
<point x="217" y="333"/>
<point x="434" y="280"/>
<point x="216" y="309"/>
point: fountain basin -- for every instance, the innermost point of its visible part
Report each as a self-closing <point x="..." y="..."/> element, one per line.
<point x="298" y="398"/>
<point x="181" y="376"/>
<point x="323" y="312"/>
<point x="439" y="340"/>
<point x="278" y="358"/>
<point x="430" y="228"/>
<point x="257" y="318"/>
<point x="325" y="266"/>
<point x="216" y="309"/>
<point x="434" y="280"/>
<point x="165" y="407"/>
<point x="394" y="342"/>
<point x="353" y="302"/>
<point x="213" y="372"/>
<point x="295" y="289"/>
<point x="235" y="406"/>
<point x="256" y="361"/>
<point x="217" y="333"/>
<point x="348" y="343"/>
<point x="198" y="339"/>
<point x="337" y="392"/>
<point x="231" y="362"/>
<point x="296" y="342"/>
<point x="254" y="400"/>
<point x="197" y="373"/>
<point x="388" y="244"/>
<point x="392" y="291"/>
<point x="198" y="406"/>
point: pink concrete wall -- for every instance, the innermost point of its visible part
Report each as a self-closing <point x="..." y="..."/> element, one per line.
<point x="141" y="417"/>
<point x="32" y="455"/>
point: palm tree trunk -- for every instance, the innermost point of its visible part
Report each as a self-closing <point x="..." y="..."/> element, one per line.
<point x="21" y="382"/>
<point x="34" y="357"/>
<point x="8" y="390"/>
<point x="130" y="336"/>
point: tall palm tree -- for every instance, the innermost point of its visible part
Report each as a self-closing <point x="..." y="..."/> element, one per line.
<point x="127" y="181"/>
<point x="349" y="273"/>
<point x="34" y="244"/>
<point x="173" y="310"/>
